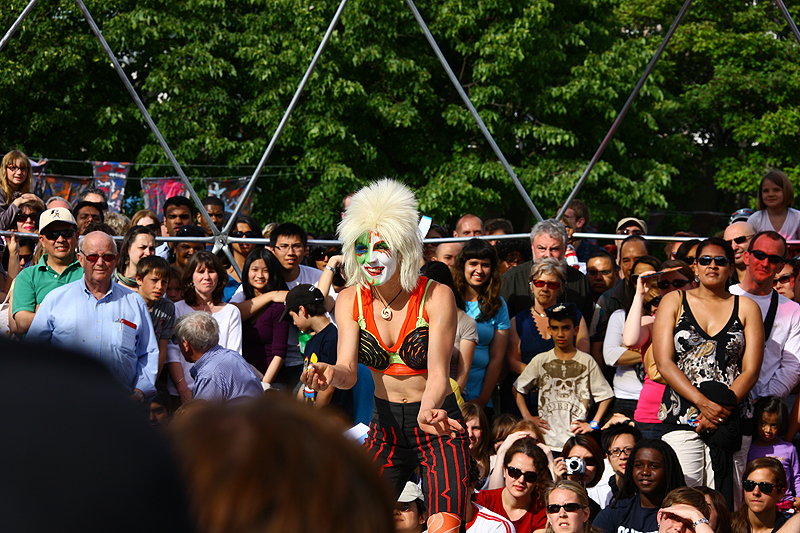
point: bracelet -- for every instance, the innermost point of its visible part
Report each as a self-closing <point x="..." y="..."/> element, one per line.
<point x="700" y="521"/>
<point x="179" y="381"/>
<point x="328" y="267"/>
<point x="594" y="425"/>
<point x="140" y="394"/>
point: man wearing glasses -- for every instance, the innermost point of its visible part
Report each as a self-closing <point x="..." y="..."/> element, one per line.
<point x="739" y="234"/>
<point x="58" y="266"/>
<point x="102" y="319"/>
<point x="780" y="370"/>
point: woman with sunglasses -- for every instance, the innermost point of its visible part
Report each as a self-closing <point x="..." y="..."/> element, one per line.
<point x="637" y="334"/>
<point x="148" y="218"/>
<point x="477" y="278"/>
<point x="652" y="472"/>
<point x="203" y="281"/>
<point x="764" y="485"/>
<point x="244" y="228"/>
<point x="586" y="450"/>
<point x="708" y="346"/>
<point x="567" y="508"/>
<point x="139" y="241"/>
<point x="775" y="211"/>
<point x="526" y="477"/>
<point x="530" y="335"/>
<point x="784" y="281"/>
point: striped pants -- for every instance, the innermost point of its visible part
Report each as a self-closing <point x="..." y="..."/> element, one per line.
<point x="398" y="446"/>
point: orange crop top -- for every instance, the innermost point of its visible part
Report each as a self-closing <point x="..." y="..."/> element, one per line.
<point x="409" y="355"/>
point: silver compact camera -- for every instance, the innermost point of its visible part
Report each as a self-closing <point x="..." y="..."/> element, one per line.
<point x="575" y="466"/>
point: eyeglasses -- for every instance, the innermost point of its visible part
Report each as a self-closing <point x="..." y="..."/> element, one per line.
<point x="22" y="217"/>
<point x="552" y="285"/>
<point x="54" y="234"/>
<point x="616" y="452"/>
<point x="677" y="283"/>
<point x="244" y="234"/>
<point x="763" y="486"/>
<point x="553" y="508"/>
<point x="741" y="239"/>
<point x="782" y="280"/>
<point x="633" y="231"/>
<point x="593" y="272"/>
<point x="93" y="258"/>
<point x="514" y="473"/>
<point x="14" y="169"/>
<point x="297" y="247"/>
<point x="720" y="260"/>
<point x="774" y="259"/>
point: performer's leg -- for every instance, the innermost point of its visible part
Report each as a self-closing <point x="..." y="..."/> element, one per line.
<point x="389" y="447"/>
<point x="444" y="523"/>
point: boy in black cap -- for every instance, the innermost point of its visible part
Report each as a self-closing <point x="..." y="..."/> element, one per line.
<point x="305" y="306"/>
<point x="569" y="381"/>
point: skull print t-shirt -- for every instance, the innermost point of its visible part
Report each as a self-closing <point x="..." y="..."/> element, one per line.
<point x="566" y="391"/>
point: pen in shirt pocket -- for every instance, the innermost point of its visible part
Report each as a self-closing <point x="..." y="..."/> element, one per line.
<point x="126" y="322"/>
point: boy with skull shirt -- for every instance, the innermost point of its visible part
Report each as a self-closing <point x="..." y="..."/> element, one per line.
<point x="568" y="381"/>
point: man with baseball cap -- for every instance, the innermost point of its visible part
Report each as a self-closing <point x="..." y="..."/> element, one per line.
<point x="58" y="266"/>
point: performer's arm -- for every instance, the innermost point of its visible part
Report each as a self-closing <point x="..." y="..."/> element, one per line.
<point x="343" y="374"/>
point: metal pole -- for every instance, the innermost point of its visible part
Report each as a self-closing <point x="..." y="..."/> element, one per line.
<point x="17" y="23"/>
<point x="475" y="115"/>
<point x="624" y="110"/>
<point x="146" y="115"/>
<point x="786" y="15"/>
<point x="252" y="183"/>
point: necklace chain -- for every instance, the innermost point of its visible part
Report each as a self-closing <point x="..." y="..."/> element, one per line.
<point x="386" y="313"/>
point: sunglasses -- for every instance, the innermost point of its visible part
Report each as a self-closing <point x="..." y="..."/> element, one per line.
<point x="93" y="258"/>
<point x="774" y="259"/>
<point x="593" y="272"/>
<point x="552" y="285"/>
<point x="54" y="234"/>
<point x="22" y="217"/>
<point x="689" y="260"/>
<point x="244" y="234"/>
<point x="553" y="508"/>
<point x="26" y="258"/>
<point x="782" y="280"/>
<point x="154" y="227"/>
<point x="630" y="232"/>
<point x="740" y="239"/>
<point x="677" y="283"/>
<point x="706" y="260"/>
<point x="763" y="486"/>
<point x="514" y="473"/>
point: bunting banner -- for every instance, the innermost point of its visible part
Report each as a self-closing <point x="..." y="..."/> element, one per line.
<point x="156" y="191"/>
<point x="229" y="192"/>
<point x="111" y="177"/>
<point x="68" y="188"/>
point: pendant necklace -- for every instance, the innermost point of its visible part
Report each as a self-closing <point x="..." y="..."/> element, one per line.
<point x="542" y="315"/>
<point x="386" y="313"/>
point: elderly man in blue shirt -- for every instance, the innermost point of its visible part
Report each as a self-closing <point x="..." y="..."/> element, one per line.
<point x="219" y="373"/>
<point x="102" y="319"/>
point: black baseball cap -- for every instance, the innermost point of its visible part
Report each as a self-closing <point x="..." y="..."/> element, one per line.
<point x="305" y="295"/>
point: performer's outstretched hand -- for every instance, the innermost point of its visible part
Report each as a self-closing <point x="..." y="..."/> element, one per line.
<point x="436" y="422"/>
<point x="318" y="376"/>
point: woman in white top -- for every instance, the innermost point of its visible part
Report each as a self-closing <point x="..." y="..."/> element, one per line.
<point x="775" y="211"/>
<point x="203" y="281"/>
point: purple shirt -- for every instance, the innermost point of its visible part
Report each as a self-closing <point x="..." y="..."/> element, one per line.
<point x="265" y="338"/>
<point x="787" y="454"/>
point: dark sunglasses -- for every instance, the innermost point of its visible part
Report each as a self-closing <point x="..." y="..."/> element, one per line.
<point x="108" y="258"/>
<point x="552" y="285"/>
<point x="763" y="486"/>
<point x="553" y="508"/>
<point x="26" y="258"/>
<point x="154" y="227"/>
<point x="706" y="260"/>
<point x="54" y="234"/>
<point x="514" y="473"/>
<point x="244" y="234"/>
<point x="783" y="279"/>
<point x="774" y="259"/>
<point x="741" y="239"/>
<point x="689" y="260"/>
<point x="677" y="283"/>
<point x="22" y="217"/>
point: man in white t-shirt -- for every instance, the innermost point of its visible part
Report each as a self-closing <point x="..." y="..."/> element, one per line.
<point x="780" y="370"/>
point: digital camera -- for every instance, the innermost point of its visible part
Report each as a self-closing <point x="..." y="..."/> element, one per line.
<point x="575" y="466"/>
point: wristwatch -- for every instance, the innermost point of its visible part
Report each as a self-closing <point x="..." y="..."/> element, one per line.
<point x="594" y="425"/>
<point x="330" y="268"/>
<point x="701" y="521"/>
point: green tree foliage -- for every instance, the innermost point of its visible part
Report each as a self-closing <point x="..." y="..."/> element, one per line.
<point x="547" y="77"/>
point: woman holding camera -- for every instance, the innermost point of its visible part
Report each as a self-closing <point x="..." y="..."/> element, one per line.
<point x="582" y="461"/>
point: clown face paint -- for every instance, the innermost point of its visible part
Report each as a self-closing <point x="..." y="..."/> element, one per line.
<point x="375" y="258"/>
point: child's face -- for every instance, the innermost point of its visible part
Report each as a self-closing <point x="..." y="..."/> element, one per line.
<point x="153" y="286"/>
<point x="16" y="174"/>
<point x="300" y="319"/>
<point x="563" y="333"/>
<point x="768" y="429"/>
<point x="174" y="291"/>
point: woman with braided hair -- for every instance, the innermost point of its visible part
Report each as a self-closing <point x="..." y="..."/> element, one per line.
<point x="402" y="326"/>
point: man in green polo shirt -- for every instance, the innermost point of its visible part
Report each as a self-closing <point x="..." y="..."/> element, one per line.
<point x="58" y="266"/>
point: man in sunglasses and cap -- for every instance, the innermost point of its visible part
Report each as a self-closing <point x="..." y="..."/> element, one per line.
<point x="780" y="370"/>
<point x="102" y="319"/>
<point x="58" y="266"/>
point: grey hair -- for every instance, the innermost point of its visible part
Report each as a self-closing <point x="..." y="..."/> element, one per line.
<point x="549" y="265"/>
<point x="551" y="227"/>
<point x="54" y="198"/>
<point x="199" y="329"/>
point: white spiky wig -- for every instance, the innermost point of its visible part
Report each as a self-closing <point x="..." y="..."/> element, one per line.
<point x="389" y="208"/>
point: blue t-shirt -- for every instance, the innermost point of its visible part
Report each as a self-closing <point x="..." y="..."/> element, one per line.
<point x="628" y="516"/>
<point x="480" y="360"/>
